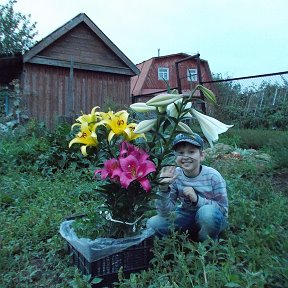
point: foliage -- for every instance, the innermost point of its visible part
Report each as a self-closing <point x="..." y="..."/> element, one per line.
<point x="255" y="106"/>
<point x="252" y="253"/>
<point x="272" y="141"/>
<point x="267" y="118"/>
<point x="16" y="30"/>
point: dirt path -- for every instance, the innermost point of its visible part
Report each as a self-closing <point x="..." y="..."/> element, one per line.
<point x="280" y="180"/>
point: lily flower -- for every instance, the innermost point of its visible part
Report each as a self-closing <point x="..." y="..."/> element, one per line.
<point x="130" y="132"/>
<point x="85" y="136"/>
<point x="129" y="149"/>
<point x="91" y="118"/>
<point x="133" y="169"/>
<point x="118" y="124"/>
<point x="111" y="169"/>
<point x="210" y="126"/>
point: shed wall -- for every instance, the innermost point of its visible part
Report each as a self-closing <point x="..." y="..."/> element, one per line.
<point x="51" y="93"/>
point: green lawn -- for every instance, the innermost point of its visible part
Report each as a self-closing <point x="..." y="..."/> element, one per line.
<point x="42" y="183"/>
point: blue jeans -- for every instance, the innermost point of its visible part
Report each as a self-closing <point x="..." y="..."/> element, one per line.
<point x="207" y="221"/>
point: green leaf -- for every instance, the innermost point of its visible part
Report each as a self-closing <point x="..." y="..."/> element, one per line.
<point x="96" y="280"/>
<point x="232" y="284"/>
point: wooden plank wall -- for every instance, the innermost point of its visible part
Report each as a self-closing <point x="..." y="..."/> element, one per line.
<point x="46" y="92"/>
<point x="83" y="46"/>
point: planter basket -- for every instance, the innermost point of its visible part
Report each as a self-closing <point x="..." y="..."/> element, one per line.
<point x="132" y="255"/>
<point x="130" y="260"/>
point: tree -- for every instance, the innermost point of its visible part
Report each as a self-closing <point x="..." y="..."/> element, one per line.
<point x="16" y="30"/>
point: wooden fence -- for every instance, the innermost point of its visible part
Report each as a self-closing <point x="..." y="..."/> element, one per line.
<point x="253" y="92"/>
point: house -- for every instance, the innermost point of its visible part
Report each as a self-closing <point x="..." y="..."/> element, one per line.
<point x="180" y="71"/>
<point x="73" y="69"/>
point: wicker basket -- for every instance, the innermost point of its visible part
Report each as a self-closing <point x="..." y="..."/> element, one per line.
<point x="130" y="260"/>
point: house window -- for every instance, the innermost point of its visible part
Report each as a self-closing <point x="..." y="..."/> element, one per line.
<point x="192" y="75"/>
<point x="163" y="73"/>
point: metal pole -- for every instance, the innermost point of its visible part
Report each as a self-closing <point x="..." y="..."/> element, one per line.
<point x="203" y="106"/>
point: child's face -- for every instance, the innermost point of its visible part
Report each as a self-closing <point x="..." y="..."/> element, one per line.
<point x="189" y="158"/>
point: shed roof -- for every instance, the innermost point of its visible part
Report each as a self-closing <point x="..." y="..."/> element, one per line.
<point x="32" y="56"/>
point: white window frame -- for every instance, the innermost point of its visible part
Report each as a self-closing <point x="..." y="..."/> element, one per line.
<point x="163" y="73"/>
<point x="192" y="75"/>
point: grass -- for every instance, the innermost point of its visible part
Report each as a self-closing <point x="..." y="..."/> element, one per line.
<point x="35" y="199"/>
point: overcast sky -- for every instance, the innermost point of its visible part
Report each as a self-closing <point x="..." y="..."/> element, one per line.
<point x="237" y="37"/>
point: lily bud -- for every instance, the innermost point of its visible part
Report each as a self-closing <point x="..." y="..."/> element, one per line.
<point x="141" y="107"/>
<point x="145" y="126"/>
<point x="208" y="94"/>
<point x="163" y="99"/>
<point x="185" y="128"/>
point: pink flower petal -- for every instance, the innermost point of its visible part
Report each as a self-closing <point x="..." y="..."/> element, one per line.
<point x="145" y="168"/>
<point x="129" y="164"/>
<point x="145" y="184"/>
<point x="126" y="178"/>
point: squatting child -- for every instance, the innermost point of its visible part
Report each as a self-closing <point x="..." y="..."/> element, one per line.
<point x="192" y="196"/>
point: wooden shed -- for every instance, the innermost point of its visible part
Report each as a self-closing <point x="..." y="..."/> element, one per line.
<point x="73" y="69"/>
<point x="181" y="71"/>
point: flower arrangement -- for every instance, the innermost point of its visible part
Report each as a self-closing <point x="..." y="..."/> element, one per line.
<point x="130" y="155"/>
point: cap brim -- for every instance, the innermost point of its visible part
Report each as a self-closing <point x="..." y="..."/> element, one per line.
<point x="188" y="141"/>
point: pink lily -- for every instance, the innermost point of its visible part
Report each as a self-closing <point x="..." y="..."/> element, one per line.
<point x="129" y="149"/>
<point x="111" y="169"/>
<point x="133" y="169"/>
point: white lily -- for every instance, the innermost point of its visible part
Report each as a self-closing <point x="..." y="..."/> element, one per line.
<point x="142" y="107"/>
<point x="172" y="111"/>
<point x="145" y="126"/>
<point x="163" y="99"/>
<point x="210" y="126"/>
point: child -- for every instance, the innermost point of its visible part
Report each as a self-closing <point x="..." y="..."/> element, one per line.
<point x="200" y="189"/>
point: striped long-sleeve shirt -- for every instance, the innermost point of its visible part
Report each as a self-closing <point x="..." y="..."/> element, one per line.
<point x="209" y="185"/>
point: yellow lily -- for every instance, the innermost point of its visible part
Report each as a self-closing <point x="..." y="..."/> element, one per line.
<point x="210" y="126"/>
<point x="85" y="136"/>
<point x="91" y="118"/>
<point x="130" y="132"/>
<point x="117" y="122"/>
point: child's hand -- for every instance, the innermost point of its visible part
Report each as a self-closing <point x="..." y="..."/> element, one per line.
<point x="167" y="176"/>
<point x="190" y="193"/>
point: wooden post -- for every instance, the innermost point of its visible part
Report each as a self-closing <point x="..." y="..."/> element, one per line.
<point x="70" y="95"/>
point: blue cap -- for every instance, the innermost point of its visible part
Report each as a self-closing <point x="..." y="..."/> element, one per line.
<point x="194" y="139"/>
